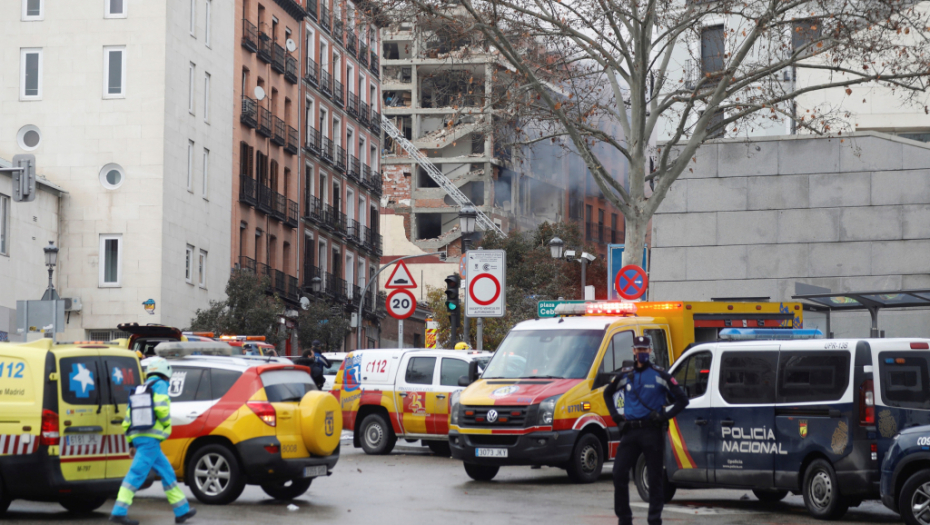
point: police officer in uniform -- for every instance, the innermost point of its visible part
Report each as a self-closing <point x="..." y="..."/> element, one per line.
<point x="636" y="399"/>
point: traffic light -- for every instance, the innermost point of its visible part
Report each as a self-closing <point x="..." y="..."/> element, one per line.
<point x="452" y="303"/>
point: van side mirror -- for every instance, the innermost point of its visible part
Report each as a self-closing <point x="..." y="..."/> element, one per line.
<point x="473" y="371"/>
<point x="463" y="381"/>
<point x="603" y="379"/>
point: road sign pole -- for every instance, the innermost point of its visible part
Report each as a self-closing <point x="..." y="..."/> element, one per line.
<point x="465" y="332"/>
<point x="400" y="332"/>
<point x="480" y="323"/>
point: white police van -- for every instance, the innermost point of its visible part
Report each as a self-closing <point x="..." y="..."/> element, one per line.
<point x="810" y="417"/>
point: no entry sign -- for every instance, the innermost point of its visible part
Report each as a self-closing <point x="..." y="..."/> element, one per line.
<point x="401" y="304"/>
<point x="486" y="283"/>
<point x="631" y="282"/>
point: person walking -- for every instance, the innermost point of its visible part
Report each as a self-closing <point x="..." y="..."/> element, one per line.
<point x="316" y="362"/>
<point x="636" y="399"/>
<point x="147" y="424"/>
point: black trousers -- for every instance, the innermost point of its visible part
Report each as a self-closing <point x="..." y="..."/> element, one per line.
<point x="650" y="442"/>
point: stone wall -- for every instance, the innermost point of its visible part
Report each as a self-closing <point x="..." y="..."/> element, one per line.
<point x="752" y="218"/>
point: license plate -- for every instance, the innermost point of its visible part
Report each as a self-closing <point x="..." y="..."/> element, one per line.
<point x="491" y="452"/>
<point x="83" y="439"/>
<point x="315" y="471"/>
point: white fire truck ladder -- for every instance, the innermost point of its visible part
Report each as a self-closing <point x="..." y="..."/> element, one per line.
<point x="483" y="220"/>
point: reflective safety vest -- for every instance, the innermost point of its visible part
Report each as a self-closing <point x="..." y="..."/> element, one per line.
<point x="161" y="406"/>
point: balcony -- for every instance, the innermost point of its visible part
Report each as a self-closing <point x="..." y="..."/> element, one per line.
<point x="277" y="62"/>
<point x="340" y="158"/>
<point x="334" y="287"/>
<point x="364" y="174"/>
<point x="293" y="291"/>
<point x="265" y="199"/>
<point x="355" y="295"/>
<point x="338" y="93"/>
<point x="248" y="193"/>
<point x="280" y="131"/>
<point x="326" y="83"/>
<point x="351" y="42"/>
<point x="338" y="30"/>
<point x="354" y="168"/>
<point x="363" y="113"/>
<point x="263" y="270"/>
<point x="373" y="66"/>
<point x="249" y="36"/>
<point x="353" y="231"/>
<point x="352" y="105"/>
<point x="313" y="211"/>
<point x="375" y="182"/>
<point x="369" y="308"/>
<point x="313" y="144"/>
<point x="325" y="19"/>
<point x="293" y="141"/>
<point x="310" y="271"/>
<point x="311" y="9"/>
<point x="363" y="54"/>
<point x="334" y="220"/>
<point x="249" y="115"/>
<point x="265" y="48"/>
<point x="293" y="214"/>
<point x="279" y="206"/>
<point x="312" y="76"/>
<point x="375" y="123"/>
<point x="290" y="69"/>
<point x="327" y="152"/>
<point x="264" y="122"/>
<point x="246" y="263"/>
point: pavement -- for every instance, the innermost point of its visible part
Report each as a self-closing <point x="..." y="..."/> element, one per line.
<point x="411" y="486"/>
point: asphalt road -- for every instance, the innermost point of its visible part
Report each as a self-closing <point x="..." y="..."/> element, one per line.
<point x="411" y="487"/>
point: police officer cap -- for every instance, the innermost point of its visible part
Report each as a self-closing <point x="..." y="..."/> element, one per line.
<point x="642" y="341"/>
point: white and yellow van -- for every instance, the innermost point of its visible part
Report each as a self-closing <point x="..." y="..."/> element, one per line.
<point x="61" y="415"/>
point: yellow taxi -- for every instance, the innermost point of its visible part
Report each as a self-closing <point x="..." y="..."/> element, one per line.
<point x="239" y="420"/>
<point x="63" y="407"/>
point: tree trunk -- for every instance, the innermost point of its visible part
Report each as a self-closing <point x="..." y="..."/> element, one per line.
<point x="635" y="238"/>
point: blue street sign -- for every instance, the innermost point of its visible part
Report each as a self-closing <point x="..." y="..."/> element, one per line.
<point x="615" y="262"/>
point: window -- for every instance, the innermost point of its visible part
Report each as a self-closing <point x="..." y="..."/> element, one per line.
<point x="188" y="263"/>
<point x="619" y="350"/>
<point x="190" y="165"/>
<point x="420" y="370"/>
<point x="82" y="375"/>
<point x="124" y="374"/>
<point x="29" y="137"/>
<point x="712" y="49"/>
<point x="905" y="379"/>
<point x="4" y="225"/>
<point x="30" y="75"/>
<point x="287" y="385"/>
<point x="812" y="376"/>
<point x="206" y="171"/>
<point x="202" y="269"/>
<point x="33" y="10"/>
<point x="206" y="97"/>
<point x="564" y="354"/>
<point x="694" y="374"/>
<point x="193" y="26"/>
<point x="112" y="176"/>
<point x="111" y="260"/>
<point x="748" y="378"/>
<point x="114" y="72"/>
<point x="659" y="346"/>
<point x="222" y="381"/>
<point x="206" y="23"/>
<point x="115" y="9"/>
<point x="805" y="33"/>
<point x="190" y="87"/>
<point x="185" y="383"/>
<point x="451" y="370"/>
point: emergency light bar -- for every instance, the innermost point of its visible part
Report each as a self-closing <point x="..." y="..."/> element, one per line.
<point x="762" y="334"/>
<point x="609" y="308"/>
<point x="174" y="349"/>
<point x="242" y="337"/>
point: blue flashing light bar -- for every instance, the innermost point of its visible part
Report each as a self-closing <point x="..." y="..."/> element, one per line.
<point x="761" y="334"/>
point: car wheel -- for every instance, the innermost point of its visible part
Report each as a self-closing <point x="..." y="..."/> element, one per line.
<point x="914" y="501"/>
<point x="83" y="505"/>
<point x="587" y="460"/>
<point x="287" y="489"/>
<point x="481" y="472"/>
<point x="821" y="492"/>
<point x="377" y="435"/>
<point x="214" y="476"/>
<point x="770" y="496"/>
<point x="440" y="448"/>
<point x="641" y="479"/>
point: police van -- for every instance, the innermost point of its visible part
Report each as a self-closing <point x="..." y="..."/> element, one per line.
<point x="811" y="417"/>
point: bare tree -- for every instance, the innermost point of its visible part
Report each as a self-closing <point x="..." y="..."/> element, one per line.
<point x="577" y="69"/>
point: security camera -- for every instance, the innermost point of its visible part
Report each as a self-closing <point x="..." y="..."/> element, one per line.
<point x="588" y="256"/>
<point x="569" y="254"/>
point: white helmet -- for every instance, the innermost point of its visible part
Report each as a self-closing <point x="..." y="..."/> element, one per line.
<point x="160" y="366"/>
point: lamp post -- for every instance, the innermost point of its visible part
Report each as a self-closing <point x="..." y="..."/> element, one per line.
<point x="315" y="284"/>
<point x="557" y="250"/>
<point x="51" y="260"/>
<point x="468" y="217"/>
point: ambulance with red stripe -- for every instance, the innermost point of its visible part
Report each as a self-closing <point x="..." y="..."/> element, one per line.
<point x="61" y="434"/>
<point x="540" y="400"/>
<point x="389" y="394"/>
<point x="246" y="420"/>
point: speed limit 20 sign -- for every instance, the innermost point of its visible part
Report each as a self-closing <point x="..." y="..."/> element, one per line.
<point x="401" y="304"/>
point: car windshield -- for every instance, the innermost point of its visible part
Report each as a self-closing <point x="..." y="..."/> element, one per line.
<point x="562" y="354"/>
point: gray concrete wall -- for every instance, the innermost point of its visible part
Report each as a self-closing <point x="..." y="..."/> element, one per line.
<point x="754" y="217"/>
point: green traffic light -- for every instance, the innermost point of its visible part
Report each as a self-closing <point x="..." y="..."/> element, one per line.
<point x="451" y="306"/>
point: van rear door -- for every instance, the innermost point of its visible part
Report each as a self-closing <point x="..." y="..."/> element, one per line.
<point x="82" y="414"/>
<point x="121" y="375"/>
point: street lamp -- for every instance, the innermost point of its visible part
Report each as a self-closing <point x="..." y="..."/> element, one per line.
<point x="556" y="246"/>
<point x="51" y="260"/>
<point x="468" y="217"/>
<point x="315" y="284"/>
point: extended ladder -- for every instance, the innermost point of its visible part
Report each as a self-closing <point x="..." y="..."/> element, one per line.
<point x="483" y="220"/>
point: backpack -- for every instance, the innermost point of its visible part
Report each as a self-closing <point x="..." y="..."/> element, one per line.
<point x="141" y="409"/>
